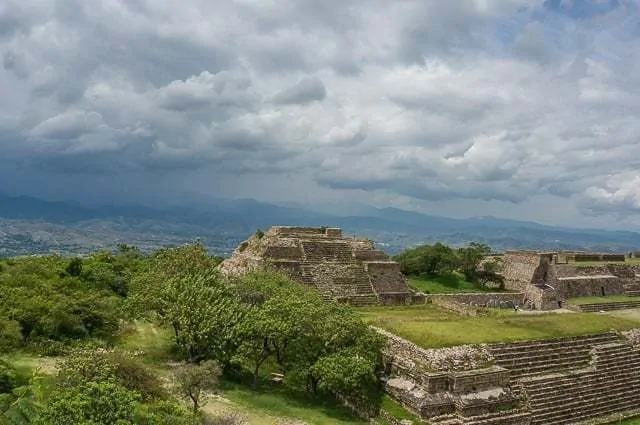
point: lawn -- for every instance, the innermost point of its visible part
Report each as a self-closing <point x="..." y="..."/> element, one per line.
<point x="266" y="406"/>
<point x="271" y="402"/>
<point x="446" y="284"/>
<point x="600" y="299"/>
<point x="431" y="326"/>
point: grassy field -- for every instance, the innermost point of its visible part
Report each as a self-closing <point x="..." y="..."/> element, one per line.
<point x="267" y="406"/>
<point x="431" y="326"/>
<point x="599" y="300"/>
<point x="446" y="284"/>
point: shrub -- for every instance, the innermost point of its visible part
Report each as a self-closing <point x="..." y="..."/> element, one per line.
<point x="8" y="377"/>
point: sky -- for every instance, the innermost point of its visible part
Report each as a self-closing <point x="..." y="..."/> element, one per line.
<point x="513" y="108"/>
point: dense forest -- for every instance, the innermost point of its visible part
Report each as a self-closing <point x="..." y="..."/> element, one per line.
<point x="82" y="313"/>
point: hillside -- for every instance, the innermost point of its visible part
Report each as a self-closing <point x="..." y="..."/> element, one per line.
<point x="32" y="226"/>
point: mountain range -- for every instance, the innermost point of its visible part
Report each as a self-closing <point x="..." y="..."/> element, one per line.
<point x="34" y="226"/>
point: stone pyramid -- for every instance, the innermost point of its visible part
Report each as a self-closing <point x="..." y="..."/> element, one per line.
<point x="344" y="269"/>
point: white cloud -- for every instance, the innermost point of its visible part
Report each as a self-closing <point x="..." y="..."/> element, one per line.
<point x="490" y="100"/>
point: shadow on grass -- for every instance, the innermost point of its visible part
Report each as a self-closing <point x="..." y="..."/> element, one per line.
<point x="283" y="400"/>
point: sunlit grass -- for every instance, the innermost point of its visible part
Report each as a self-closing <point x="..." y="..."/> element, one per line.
<point x="446" y="284"/>
<point x="431" y="326"/>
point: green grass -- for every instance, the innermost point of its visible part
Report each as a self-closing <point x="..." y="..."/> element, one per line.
<point x="633" y="421"/>
<point x="446" y="284"/>
<point x="397" y="410"/>
<point x="430" y="326"/>
<point x="262" y="407"/>
<point x="152" y="339"/>
<point x="600" y="299"/>
<point x="277" y="401"/>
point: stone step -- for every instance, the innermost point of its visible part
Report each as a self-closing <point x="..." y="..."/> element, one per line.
<point x="567" y="398"/>
<point x="497" y="418"/>
<point x="517" y="371"/>
<point x="599" y="407"/>
<point x="610" y="306"/>
<point x="538" y="357"/>
<point x="570" y="342"/>
<point x="592" y="378"/>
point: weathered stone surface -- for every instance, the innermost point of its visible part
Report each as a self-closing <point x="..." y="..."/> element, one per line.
<point x="548" y="279"/>
<point x="549" y="382"/>
<point x="345" y="269"/>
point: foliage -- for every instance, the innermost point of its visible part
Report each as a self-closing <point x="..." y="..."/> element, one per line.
<point x="74" y="268"/>
<point x="442" y="260"/>
<point x="48" y="301"/>
<point x="427" y="259"/>
<point x="193" y="379"/>
<point x="91" y="403"/>
<point x="470" y="258"/>
<point x="312" y="342"/>
<point x="83" y="366"/>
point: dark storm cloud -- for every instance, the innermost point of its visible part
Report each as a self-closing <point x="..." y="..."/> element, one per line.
<point x="494" y="100"/>
<point x="305" y="91"/>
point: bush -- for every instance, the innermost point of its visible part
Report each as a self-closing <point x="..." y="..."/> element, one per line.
<point x="10" y="336"/>
<point x="8" y="377"/>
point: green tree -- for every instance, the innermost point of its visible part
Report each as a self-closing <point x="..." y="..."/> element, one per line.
<point x="91" y="403"/>
<point x="428" y="259"/>
<point x="194" y="379"/>
<point x="75" y="267"/>
<point x="470" y="258"/>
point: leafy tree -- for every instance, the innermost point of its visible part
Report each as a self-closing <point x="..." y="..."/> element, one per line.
<point x="470" y="258"/>
<point x="82" y="366"/>
<point x="75" y="267"/>
<point x="91" y="403"/>
<point x="428" y="259"/>
<point x="193" y="379"/>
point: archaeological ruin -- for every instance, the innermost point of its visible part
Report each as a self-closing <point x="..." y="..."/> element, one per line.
<point x="549" y="279"/>
<point x="572" y="380"/>
<point x="346" y="269"/>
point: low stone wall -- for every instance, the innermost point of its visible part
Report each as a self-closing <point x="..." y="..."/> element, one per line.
<point x="598" y="257"/>
<point x="586" y="286"/>
<point x="284" y="231"/>
<point x="623" y="271"/>
<point x="460" y="358"/>
<point x="488" y="299"/>
<point x="399" y="298"/>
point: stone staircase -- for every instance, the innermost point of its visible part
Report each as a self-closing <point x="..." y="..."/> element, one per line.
<point x="496" y="418"/>
<point x="543" y="357"/>
<point x="316" y="251"/>
<point x="584" y="378"/>
<point x="624" y="305"/>
<point x="352" y="286"/>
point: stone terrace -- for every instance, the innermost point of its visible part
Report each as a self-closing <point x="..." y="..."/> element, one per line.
<point x="571" y="380"/>
<point x="568" y="380"/>
<point x="344" y="269"/>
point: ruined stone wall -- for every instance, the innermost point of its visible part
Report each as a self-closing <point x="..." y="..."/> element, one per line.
<point x="417" y="359"/>
<point x="480" y="299"/>
<point x="520" y="269"/>
<point x="625" y="271"/>
<point x="370" y="255"/>
<point x="292" y="231"/>
<point x="293" y="252"/>
<point x="385" y="276"/>
<point x="536" y="298"/>
<point x="586" y="286"/>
